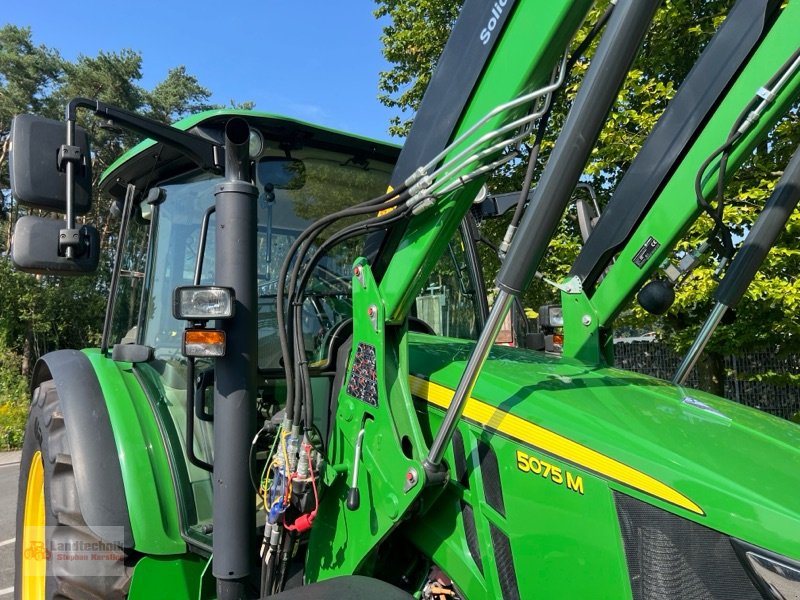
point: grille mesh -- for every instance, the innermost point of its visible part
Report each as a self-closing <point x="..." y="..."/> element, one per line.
<point x="669" y="557"/>
<point x="471" y="533"/>
<point x="490" y="472"/>
<point x="505" y="564"/>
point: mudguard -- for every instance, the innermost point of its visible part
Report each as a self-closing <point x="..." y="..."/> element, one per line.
<point x="123" y="476"/>
<point x="98" y="477"/>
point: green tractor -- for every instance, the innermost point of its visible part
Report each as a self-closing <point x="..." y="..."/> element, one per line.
<point x="298" y="392"/>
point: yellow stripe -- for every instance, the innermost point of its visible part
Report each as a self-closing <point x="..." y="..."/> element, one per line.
<point x="550" y="442"/>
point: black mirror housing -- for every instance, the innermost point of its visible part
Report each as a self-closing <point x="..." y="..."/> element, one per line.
<point x="36" y="179"/>
<point x="35" y="248"/>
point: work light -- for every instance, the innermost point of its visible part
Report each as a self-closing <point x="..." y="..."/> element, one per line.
<point x="200" y="303"/>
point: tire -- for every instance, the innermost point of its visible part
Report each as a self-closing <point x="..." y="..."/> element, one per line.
<point x="52" y="511"/>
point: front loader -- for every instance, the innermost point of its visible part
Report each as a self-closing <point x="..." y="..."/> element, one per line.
<point x="298" y="393"/>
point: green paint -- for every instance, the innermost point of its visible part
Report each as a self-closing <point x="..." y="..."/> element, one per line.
<point x="146" y="473"/>
<point x="522" y="62"/>
<point x="731" y="467"/>
<point x="170" y="577"/>
<point x="738" y="464"/>
<point x="342" y="539"/>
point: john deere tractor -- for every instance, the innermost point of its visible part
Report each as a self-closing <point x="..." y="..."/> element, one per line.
<point x="298" y="392"/>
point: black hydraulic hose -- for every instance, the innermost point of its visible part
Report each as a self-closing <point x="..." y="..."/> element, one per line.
<point x="307" y="238"/>
<point x="375" y="223"/>
<point x="736" y="132"/>
<point x="304" y="240"/>
<point x="624" y="33"/>
<point x="268" y="579"/>
<point x="285" y="557"/>
<point x="770" y="223"/>
<point x="527" y="181"/>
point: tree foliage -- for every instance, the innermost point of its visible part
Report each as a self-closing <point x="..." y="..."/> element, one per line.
<point x="415" y="37"/>
<point x="43" y="313"/>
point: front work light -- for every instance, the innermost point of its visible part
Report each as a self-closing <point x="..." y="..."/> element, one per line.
<point x="550" y="315"/>
<point x="200" y="303"/>
<point x="203" y="343"/>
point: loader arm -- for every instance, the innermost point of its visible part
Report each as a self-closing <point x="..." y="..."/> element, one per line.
<point x="479" y="106"/>
<point x="470" y="101"/>
<point x="471" y="81"/>
<point x="655" y="203"/>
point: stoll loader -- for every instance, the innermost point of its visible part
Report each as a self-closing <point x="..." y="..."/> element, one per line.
<point x="298" y="394"/>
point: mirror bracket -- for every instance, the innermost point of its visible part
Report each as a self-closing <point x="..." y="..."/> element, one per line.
<point x="70" y="238"/>
<point x="67" y="154"/>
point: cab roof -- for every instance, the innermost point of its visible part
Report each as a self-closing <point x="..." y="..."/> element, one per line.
<point x="151" y="161"/>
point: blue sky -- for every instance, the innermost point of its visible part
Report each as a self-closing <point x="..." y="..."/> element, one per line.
<point x="314" y="60"/>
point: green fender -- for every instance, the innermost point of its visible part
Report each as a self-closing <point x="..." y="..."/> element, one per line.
<point x="146" y="473"/>
<point x="147" y="483"/>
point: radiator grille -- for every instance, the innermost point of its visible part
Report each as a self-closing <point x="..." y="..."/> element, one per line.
<point x="669" y="557"/>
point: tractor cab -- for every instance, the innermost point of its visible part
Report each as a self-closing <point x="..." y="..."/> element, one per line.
<point x="301" y="173"/>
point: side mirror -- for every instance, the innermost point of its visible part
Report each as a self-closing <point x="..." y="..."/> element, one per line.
<point x="588" y="214"/>
<point x="36" y="179"/>
<point x="587" y="218"/>
<point x="282" y="173"/>
<point x="34" y="248"/>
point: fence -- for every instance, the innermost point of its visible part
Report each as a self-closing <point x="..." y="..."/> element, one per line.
<point x="742" y="385"/>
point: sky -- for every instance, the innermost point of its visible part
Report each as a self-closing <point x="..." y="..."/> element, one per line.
<point x="313" y="60"/>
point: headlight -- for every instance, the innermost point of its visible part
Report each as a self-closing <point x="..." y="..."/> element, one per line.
<point x="202" y="303"/>
<point x="551" y="315"/>
<point x="779" y="576"/>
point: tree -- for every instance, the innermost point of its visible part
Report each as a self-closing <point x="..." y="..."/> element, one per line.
<point x="412" y="41"/>
<point x="669" y="49"/>
<point x="42" y="313"/>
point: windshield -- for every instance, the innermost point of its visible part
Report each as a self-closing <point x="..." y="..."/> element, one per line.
<point x="330" y="182"/>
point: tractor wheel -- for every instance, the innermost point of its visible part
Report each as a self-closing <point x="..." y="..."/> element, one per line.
<point x="49" y="519"/>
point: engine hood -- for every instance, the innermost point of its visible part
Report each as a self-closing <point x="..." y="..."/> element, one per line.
<point x="724" y="465"/>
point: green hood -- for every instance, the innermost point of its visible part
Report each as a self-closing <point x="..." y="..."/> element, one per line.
<point x="724" y="465"/>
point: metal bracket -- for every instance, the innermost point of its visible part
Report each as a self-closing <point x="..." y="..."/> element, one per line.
<point x="571" y="286"/>
<point x="67" y="154"/>
<point x="69" y="238"/>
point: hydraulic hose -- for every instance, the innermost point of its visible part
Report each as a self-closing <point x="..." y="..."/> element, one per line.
<point x="748" y="259"/>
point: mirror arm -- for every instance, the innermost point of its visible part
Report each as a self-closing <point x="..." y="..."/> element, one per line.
<point x="69" y="238"/>
<point x="204" y="153"/>
<point x="207" y="155"/>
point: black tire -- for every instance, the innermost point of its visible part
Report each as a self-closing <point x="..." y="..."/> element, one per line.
<point x="46" y="433"/>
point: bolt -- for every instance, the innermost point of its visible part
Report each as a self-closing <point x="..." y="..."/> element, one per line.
<point x="411" y="479"/>
<point x="357" y="271"/>
<point x="586" y="320"/>
<point x="371" y="311"/>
